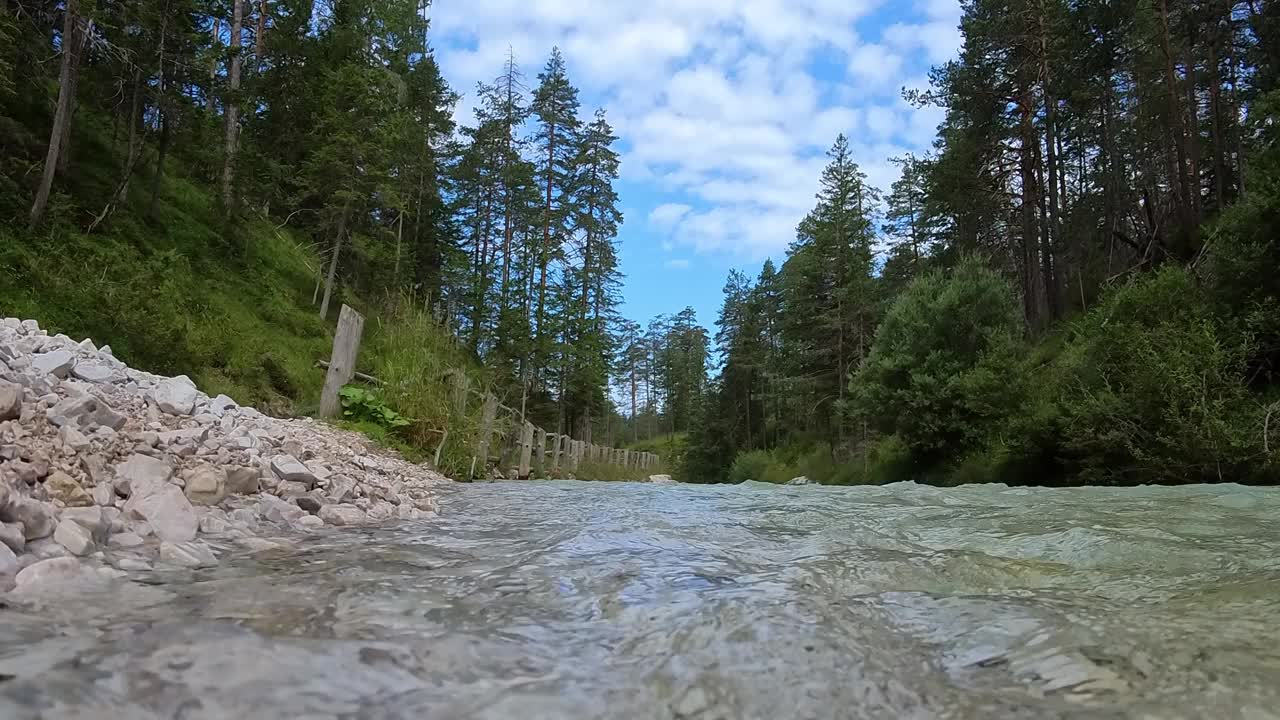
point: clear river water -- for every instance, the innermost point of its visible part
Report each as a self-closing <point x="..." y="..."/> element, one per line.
<point x="608" y="600"/>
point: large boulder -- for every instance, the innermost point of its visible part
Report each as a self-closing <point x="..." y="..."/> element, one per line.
<point x="95" y="372"/>
<point x="176" y="396"/>
<point x="802" y="480"/>
<point x="341" y="488"/>
<point x="12" y="536"/>
<point x="289" y="468"/>
<point x="167" y="511"/>
<point x="64" y="488"/>
<point x="74" y="410"/>
<point x="48" y="571"/>
<point x="57" y="363"/>
<point x="89" y="518"/>
<point x="141" y="474"/>
<point x="242" y="480"/>
<point x="205" y="485"/>
<point x="10" y="400"/>
<point x="343" y="515"/>
<point x="36" y="517"/>
<point x="661" y="479"/>
<point x="75" y="538"/>
<point x="8" y="561"/>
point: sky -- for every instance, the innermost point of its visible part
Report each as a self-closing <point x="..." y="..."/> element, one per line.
<point x="724" y="108"/>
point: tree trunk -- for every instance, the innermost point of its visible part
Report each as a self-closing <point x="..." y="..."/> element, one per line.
<point x="333" y="261"/>
<point x="1176" y="129"/>
<point x="232" y="112"/>
<point x="73" y="41"/>
<point x="544" y="256"/>
<point x="210" y="96"/>
<point x="1030" y="236"/>
<point x="162" y="105"/>
<point x="1193" y="130"/>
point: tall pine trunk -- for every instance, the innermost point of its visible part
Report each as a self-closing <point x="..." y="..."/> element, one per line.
<point x="232" y="114"/>
<point x="72" y="44"/>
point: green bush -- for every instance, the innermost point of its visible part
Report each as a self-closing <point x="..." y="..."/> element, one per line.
<point x="360" y="405"/>
<point x="1152" y="389"/>
<point x="750" y="466"/>
<point x="945" y="371"/>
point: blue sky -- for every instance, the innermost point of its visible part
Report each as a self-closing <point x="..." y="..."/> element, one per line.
<point x="724" y="109"/>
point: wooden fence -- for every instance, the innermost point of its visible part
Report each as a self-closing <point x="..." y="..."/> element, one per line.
<point x="520" y="446"/>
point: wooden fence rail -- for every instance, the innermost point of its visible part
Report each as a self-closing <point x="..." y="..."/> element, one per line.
<point x="522" y="446"/>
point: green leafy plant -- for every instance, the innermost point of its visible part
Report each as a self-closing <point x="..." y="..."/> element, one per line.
<point x="363" y="405"/>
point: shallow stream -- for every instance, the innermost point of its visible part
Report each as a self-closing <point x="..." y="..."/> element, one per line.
<point x="594" y="600"/>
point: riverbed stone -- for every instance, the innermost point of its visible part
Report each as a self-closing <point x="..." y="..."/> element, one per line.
<point x="341" y="488"/>
<point x="381" y="511"/>
<point x="290" y="489"/>
<point x="176" y="396"/>
<point x="12" y="536"/>
<point x="103" y="494"/>
<point x="309" y="522"/>
<point x="65" y="489"/>
<point x="242" y="480"/>
<point x="167" y="511"/>
<point x="278" y="511"/>
<point x="141" y="474"/>
<point x="11" y="395"/>
<point x="108" y="417"/>
<point x="57" y="363"/>
<point x="48" y="571"/>
<point x="72" y="410"/>
<point x="125" y="540"/>
<point x="290" y="469"/>
<point x="89" y="518"/>
<point x="8" y="562"/>
<point x="75" y="538"/>
<point x="36" y="517"/>
<point x="72" y="440"/>
<point x="206" y="485"/>
<point x="94" y="372"/>
<point x="194" y="554"/>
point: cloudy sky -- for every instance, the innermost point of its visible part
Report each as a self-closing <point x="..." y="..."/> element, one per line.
<point x="724" y="108"/>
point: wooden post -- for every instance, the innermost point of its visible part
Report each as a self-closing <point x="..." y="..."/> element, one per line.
<point x="575" y="454"/>
<point x="486" y="431"/>
<point x="539" y="450"/>
<point x="342" y="364"/>
<point x="555" y="453"/>
<point x="526" y="450"/>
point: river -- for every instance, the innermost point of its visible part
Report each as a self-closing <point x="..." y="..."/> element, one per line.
<point x="594" y="600"/>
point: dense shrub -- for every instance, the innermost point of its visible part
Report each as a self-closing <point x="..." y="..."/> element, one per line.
<point x="945" y="371"/>
<point x="1152" y="388"/>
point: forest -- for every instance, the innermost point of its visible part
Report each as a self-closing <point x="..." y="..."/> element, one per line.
<point x="204" y="182"/>
<point x="1077" y="284"/>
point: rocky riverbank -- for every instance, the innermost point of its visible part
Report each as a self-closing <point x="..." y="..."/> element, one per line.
<point x="104" y="468"/>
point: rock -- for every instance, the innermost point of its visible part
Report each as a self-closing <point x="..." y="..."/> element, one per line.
<point x="103" y="494"/>
<point x="221" y="404"/>
<point x="242" y="480"/>
<point x="73" y="410"/>
<point x="30" y="327"/>
<point x="381" y="511"/>
<point x="36" y="517"/>
<point x="802" y="480"/>
<point x="10" y="400"/>
<point x="257" y="544"/>
<point x="186" y="436"/>
<point x="342" y="515"/>
<point x="289" y="468"/>
<point x="662" y="479"/>
<point x="45" y="548"/>
<point x="311" y="502"/>
<point x="94" y="372"/>
<point x="213" y="525"/>
<point x="57" y="363"/>
<point x="64" y="488"/>
<point x="29" y="472"/>
<point x="52" y="570"/>
<point x="8" y="562"/>
<point x="206" y="485"/>
<point x="168" y="512"/>
<point x="89" y="518"/>
<point x="107" y="416"/>
<point x="72" y="439"/>
<point x="341" y="488"/>
<point x="114" y="519"/>
<point x="176" y="396"/>
<point x="76" y="539"/>
<point x="288" y="489"/>
<point x="310" y="522"/>
<point x="95" y="468"/>
<point x="278" y="511"/>
<point x="141" y="474"/>
<point x="12" y="536"/>
<point x="125" y="540"/>
<point x="187" y="554"/>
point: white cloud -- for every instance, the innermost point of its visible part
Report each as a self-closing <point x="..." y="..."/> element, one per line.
<point x="724" y="107"/>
